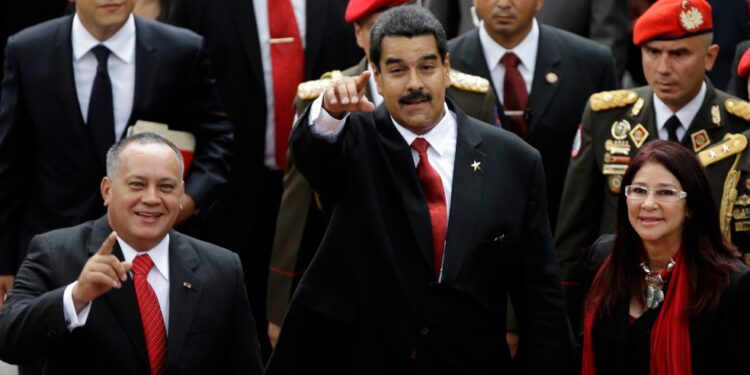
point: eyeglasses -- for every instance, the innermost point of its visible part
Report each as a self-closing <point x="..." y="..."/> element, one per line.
<point x="639" y="193"/>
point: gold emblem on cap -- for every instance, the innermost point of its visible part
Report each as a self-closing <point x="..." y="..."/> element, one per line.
<point x="700" y="140"/>
<point x="614" y="182"/>
<point x="617" y="147"/>
<point x="620" y="129"/>
<point x="637" y="107"/>
<point x="638" y="135"/>
<point x="551" y="77"/>
<point x="715" y="115"/>
<point x="690" y="18"/>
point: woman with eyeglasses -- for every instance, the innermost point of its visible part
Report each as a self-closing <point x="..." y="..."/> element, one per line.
<point x="671" y="297"/>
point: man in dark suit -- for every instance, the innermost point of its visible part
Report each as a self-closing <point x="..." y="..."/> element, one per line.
<point x="301" y="222"/>
<point x="398" y="284"/>
<point x="559" y="70"/>
<point x="238" y="38"/>
<point x="126" y="294"/>
<point x="61" y="111"/>
<point x="679" y="104"/>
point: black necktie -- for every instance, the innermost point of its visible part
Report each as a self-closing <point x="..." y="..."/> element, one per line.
<point x="672" y="124"/>
<point x="101" y="118"/>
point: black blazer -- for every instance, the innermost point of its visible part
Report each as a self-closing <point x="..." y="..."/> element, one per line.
<point x="369" y="303"/>
<point x="210" y="330"/>
<point x="580" y="68"/>
<point x="49" y="171"/>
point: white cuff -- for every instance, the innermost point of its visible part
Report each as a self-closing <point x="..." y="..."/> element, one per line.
<point x="322" y="124"/>
<point x="71" y="318"/>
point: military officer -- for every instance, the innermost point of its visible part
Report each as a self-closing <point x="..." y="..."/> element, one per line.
<point x="301" y="221"/>
<point x="679" y="104"/>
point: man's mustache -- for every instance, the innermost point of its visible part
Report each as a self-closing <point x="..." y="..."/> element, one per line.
<point x="415" y="96"/>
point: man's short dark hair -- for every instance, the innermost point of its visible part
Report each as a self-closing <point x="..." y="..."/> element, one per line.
<point x="406" y="21"/>
<point x="113" y="154"/>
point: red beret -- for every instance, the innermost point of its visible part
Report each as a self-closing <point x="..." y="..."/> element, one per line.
<point x="673" y="19"/>
<point x="361" y="8"/>
<point x="744" y="66"/>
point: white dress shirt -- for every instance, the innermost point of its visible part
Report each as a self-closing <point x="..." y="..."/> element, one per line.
<point x="442" y="139"/>
<point x="158" y="277"/>
<point x="264" y="37"/>
<point x="526" y="51"/>
<point x="121" y="67"/>
<point x="685" y="114"/>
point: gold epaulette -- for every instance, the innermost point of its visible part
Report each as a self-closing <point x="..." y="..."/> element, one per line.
<point x="738" y="107"/>
<point x="312" y="89"/>
<point x="605" y="100"/>
<point x="468" y="82"/>
<point x="731" y="145"/>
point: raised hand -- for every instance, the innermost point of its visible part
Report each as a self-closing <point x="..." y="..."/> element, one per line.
<point x="348" y="95"/>
<point x="101" y="273"/>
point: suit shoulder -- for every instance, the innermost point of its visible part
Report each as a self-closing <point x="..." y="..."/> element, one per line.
<point x="206" y="250"/>
<point x="169" y="33"/>
<point x="40" y="33"/>
<point x="312" y="89"/>
<point x="469" y="82"/>
<point x="459" y="41"/>
<point x="608" y="100"/>
<point x="573" y="42"/>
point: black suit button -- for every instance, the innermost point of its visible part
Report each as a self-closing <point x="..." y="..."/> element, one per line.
<point x="424" y="331"/>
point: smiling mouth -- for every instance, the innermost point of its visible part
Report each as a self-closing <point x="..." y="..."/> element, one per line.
<point x="149" y="214"/>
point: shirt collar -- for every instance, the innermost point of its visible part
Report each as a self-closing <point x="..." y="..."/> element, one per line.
<point x="159" y="254"/>
<point x="122" y="43"/>
<point x="438" y="136"/>
<point x="686" y="114"/>
<point x="526" y="50"/>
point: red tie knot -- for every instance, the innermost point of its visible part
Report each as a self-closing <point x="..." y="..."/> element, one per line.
<point x="421" y="145"/>
<point x="510" y="59"/>
<point x="142" y="265"/>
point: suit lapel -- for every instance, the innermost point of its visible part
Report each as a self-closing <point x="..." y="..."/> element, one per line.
<point x="146" y="70"/>
<point x="122" y="301"/>
<point x="542" y="91"/>
<point x="247" y="31"/>
<point x="405" y="174"/>
<point x="466" y="195"/>
<point x="66" y="88"/>
<point x="184" y="293"/>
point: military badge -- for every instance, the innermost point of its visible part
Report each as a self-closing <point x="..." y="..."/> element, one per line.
<point x="741" y="213"/>
<point x="690" y="17"/>
<point x="637" y="107"/>
<point x="577" y="142"/>
<point x="744" y="199"/>
<point x="742" y="226"/>
<point x="617" y="147"/>
<point x="638" y="135"/>
<point x="614" y="169"/>
<point x="614" y="182"/>
<point x="620" y="129"/>
<point x="700" y="140"/>
<point x="715" y="115"/>
<point x="609" y="158"/>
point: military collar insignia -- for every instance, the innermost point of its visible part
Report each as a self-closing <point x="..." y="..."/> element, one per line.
<point x="700" y="140"/>
<point x="715" y="115"/>
<point x="620" y="129"/>
<point x="638" y="135"/>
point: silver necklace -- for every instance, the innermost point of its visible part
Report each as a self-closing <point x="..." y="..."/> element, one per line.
<point x="655" y="284"/>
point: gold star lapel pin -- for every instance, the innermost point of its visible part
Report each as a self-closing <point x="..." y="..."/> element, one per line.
<point x="476" y="166"/>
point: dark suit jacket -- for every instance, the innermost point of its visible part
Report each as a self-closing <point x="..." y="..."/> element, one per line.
<point x="718" y="343"/>
<point x="231" y="33"/>
<point x="369" y="303"/>
<point x="738" y="86"/>
<point x="582" y="67"/>
<point x="731" y="26"/>
<point x="210" y="330"/>
<point x="49" y="171"/>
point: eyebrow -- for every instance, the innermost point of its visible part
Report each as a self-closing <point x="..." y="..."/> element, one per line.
<point x="395" y="60"/>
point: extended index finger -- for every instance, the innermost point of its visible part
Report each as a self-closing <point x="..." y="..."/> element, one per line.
<point x="108" y="244"/>
<point x="362" y="80"/>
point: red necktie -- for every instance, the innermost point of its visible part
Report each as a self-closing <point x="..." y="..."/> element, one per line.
<point x="433" y="190"/>
<point x="515" y="96"/>
<point x="288" y="65"/>
<point x="153" y="322"/>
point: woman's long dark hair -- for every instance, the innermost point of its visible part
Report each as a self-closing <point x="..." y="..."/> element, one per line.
<point x="707" y="255"/>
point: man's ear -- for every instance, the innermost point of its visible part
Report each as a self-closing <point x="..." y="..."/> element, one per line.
<point x="105" y="188"/>
<point x="447" y="65"/>
<point x="378" y="77"/>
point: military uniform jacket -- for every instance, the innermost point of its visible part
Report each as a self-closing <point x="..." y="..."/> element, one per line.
<point x="615" y="125"/>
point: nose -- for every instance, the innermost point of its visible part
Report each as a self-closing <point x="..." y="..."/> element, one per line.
<point x="503" y="3"/>
<point x="150" y="196"/>
<point x="650" y="202"/>
<point x="415" y="81"/>
<point x="663" y="67"/>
